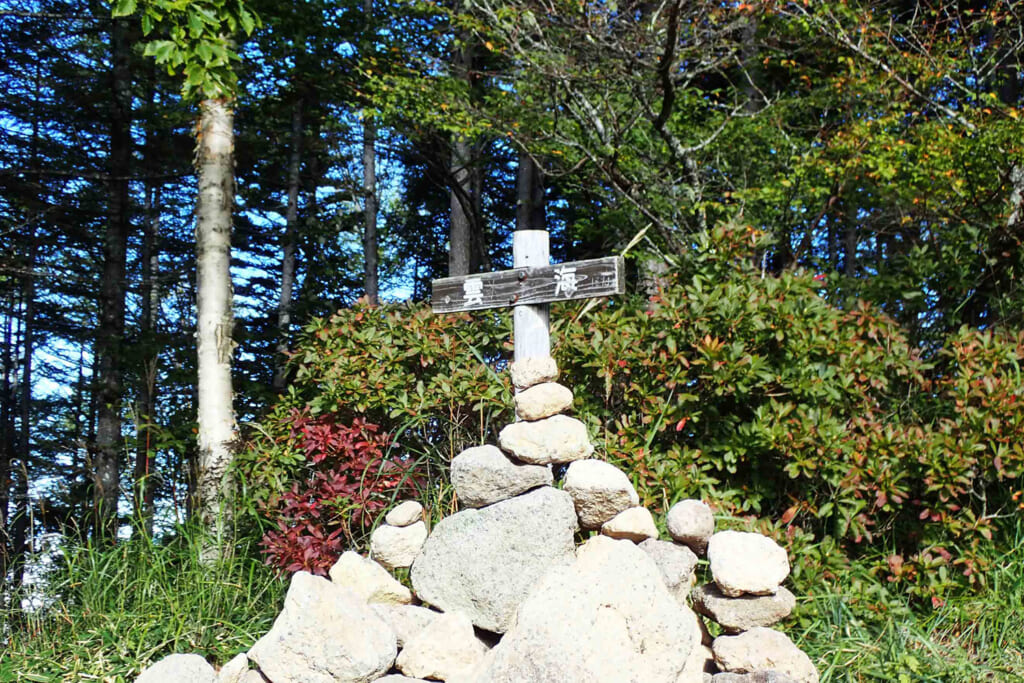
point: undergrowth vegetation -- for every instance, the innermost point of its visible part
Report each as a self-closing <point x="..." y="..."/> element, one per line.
<point x="755" y="393"/>
<point x="890" y="470"/>
<point x="103" y="614"/>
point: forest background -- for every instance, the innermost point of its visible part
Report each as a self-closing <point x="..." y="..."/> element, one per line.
<point x="822" y="208"/>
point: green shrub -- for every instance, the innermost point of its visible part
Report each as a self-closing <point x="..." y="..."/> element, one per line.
<point x="749" y="390"/>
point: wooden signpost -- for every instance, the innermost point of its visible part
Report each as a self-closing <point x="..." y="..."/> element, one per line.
<point x="529" y="287"/>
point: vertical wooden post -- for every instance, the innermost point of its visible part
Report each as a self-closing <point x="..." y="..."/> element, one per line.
<point x="530" y="249"/>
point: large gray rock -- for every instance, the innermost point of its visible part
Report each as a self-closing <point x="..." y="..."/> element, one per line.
<point x="484" y="475"/>
<point x="634" y="524"/>
<point x="677" y="564"/>
<point x="179" y="669"/>
<point x="405" y="513"/>
<point x="743" y="562"/>
<point x="542" y="400"/>
<point x="325" y="634"/>
<point x="605" y="618"/>
<point x="691" y="523"/>
<point x="744" y="612"/>
<point x="397" y="546"/>
<point x="446" y="649"/>
<point x="405" y="620"/>
<point x="368" y="580"/>
<point x="555" y="439"/>
<point x="533" y="370"/>
<point x="762" y="649"/>
<point x="484" y="562"/>
<point x="599" y="491"/>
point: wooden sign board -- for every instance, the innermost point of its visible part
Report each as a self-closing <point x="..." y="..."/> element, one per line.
<point x="529" y="286"/>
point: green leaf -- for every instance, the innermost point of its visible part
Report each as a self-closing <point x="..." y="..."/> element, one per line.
<point x="124" y="8"/>
<point x="248" y="22"/>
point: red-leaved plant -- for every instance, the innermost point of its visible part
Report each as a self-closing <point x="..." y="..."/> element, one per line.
<point x="348" y="480"/>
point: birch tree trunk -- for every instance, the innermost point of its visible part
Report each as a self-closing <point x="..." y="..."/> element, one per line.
<point x="284" y="304"/>
<point x="110" y="335"/>
<point x="214" y="323"/>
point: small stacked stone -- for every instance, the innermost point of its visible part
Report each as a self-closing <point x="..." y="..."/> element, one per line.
<point x="512" y="598"/>
<point x="745" y="597"/>
<point x="398" y="541"/>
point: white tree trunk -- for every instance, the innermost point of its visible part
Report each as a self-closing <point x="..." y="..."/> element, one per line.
<point x="214" y="322"/>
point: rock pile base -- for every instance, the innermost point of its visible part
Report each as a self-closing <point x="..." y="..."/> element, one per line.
<point x="501" y="593"/>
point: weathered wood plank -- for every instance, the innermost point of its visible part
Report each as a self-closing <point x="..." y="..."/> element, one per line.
<point x="529" y="286"/>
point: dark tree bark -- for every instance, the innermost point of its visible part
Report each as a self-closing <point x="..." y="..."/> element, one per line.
<point x="110" y="335"/>
<point x="20" y="522"/>
<point x="370" y="269"/>
<point x="370" y="246"/>
<point x="284" y="304"/>
<point x="7" y="409"/>
<point x="145" y="462"/>
<point x="530" y="200"/>
<point x="462" y="201"/>
<point x="460" y="229"/>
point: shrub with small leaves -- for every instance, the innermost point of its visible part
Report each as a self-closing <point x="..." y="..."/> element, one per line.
<point x="347" y="479"/>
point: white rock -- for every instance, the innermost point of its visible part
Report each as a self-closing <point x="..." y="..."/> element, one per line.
<point x="763" y="648"/>
<point x="599" y="491"/>
<point x="542" y="400"/>
<point x="405" y="620"/>
<point x="743" y="562"/>
<point x="325" y="634"/>
<point x="253" y="676"/>
<point x="179" y="669"/>
<point x="405" y="513"/>
<point x="399" y="678"/>
<point x="691" y="523"/>
<point x="533" y="370"/>
<point x="397" y="546"/>
<point x="555" y="439"/>
<point x="700" y="662"/>
<point x="484" y="475"/>
<point x="446" y="648"/>
<point x="368" y="580"/>
<point x="635" y="524"/>
<point x="484" y="562"/>
<point x="235" y="670"/>
<point x="701" y="658"/>
<point x="677" y="564"/>
<point x="607" y="618"/>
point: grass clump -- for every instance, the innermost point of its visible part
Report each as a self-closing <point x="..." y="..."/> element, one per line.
<point x="858" y="627"/>
<point x="107" y="613"/>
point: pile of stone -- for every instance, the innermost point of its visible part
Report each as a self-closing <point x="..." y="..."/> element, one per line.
<point x="511" y="597"/>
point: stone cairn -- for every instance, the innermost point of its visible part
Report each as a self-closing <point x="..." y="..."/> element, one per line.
<point x="513" y="600"/>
